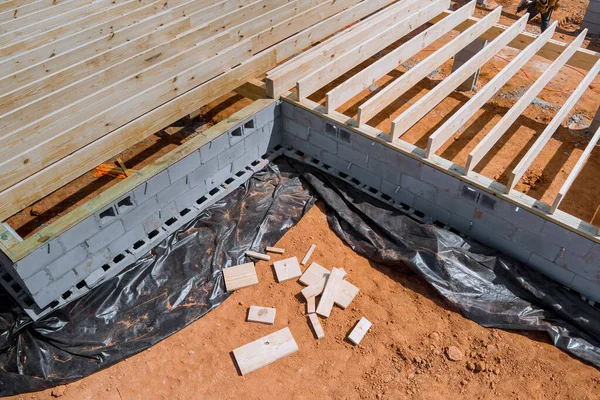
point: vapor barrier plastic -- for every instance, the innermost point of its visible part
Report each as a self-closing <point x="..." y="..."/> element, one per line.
<point x="169" y="288"/>
<point x="180" y="281"/>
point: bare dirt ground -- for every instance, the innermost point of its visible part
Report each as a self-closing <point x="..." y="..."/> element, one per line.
<point x="551" y="168"/>
<point x="404" y="355"/>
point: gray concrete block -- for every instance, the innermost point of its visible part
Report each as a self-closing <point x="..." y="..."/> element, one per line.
<point x="431" y="210"/>
<point x="441" y="180"/>
<point x="79" y="233"/>
<point x="91" y="264"/>
<point x="39" y="280"/>
<point x="237" y="134"/>
<point x="287" y="139"/>
<point x="274" y="140"/>
<point x="127" y="240"/>
<point x="105" y="236"/>
<point x="418" y="187"/>
<point x="125" y="204"/>
<point x="68" y="261"/>
<point x="479" y="232"/>
<point x="287" y="110"/>
<point x="316" y="123"/>
<point x="397" y="194"/>
<point x="368" y="146"/>
<point x="214" y="148"/>
<point x="509" y="247"/>
<point x="344" y="136"/>
<point x="249" y="156"/>
<point x="172" y="192"/>
<point x="140" y="214"/>
<point x="550" y="269"/>
<point x="586" y="287"/>
<point x="579" y="265"/>
<point x="518" y="216"/>
<point x="266" y="115"/>
<point x="593" y="255"/>
<point x="499" y="226"/>
<point x="218" y="178"/>
<point x="565" y="238"/>
<point x="459" y="223"/>
<point x="152" y="223"/>
<point x="334" y="161"/>
<point x="403" y="163"/>
<point x="295" y="128"/>
<point x="53" y="291"/>
<point x="307" y="148"/>
<point x="365" y="177"/>
<point x="536" y="244"/>
<point x="229" y="155"/>
<point x="184" y="166"/>
<point x="323" y="142"/>
<point x="38" y="258"/>
<point x="353" y="156"/>
<point x="203" y="172"/>
<point x="167" y="212"/>
<point x="188" y="199"/>
<point x="151" y="187"/>
<point x="106" y="216"/>
<point x="458" y="206"/>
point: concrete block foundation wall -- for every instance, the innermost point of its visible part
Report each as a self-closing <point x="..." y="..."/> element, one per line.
<point x="591" y="20"/>
<point x="100" y="246"/>
<point x="563" y="255"/>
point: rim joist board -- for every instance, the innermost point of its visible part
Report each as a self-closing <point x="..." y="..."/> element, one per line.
<point x="80" y="97"/>
<point x="328" y="61"/>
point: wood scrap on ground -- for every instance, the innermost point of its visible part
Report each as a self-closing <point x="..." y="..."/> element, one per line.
<point x="332" y="287"/>
<point x="311" y="305"/>
<point x="240" y="276"/>
<point x="309" y="253"/>
<point x="259" y="256"/>
<point x="359" y="331"/>
<point x="275" y="250"/>
<point x="316" y="326"/>
<point x="264" y="315"/>
<point x="265" y="351"/>
<point x="287" y="269"/>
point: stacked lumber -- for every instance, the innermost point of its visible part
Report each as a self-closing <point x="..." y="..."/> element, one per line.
<point x="83" y="80"/>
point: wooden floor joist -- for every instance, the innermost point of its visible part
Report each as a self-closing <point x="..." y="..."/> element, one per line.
<point x="541" y="141"/>
<point x="449" y="128"/>
<point x="486" y="144"/>
<point x="426" y="103"/>
<point x="398" y="87"/>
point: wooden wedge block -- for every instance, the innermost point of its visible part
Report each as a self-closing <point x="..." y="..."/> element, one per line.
<point x="275" y="250"/>
<point x="312" y="291"/>
<point x="346" y="294"/>
<point x="315" y="274"/>
<point x="359" y="331"/>
<point x="264" y="315"/>
<point x="258" y="256"/>
<point x="309" y="253"/>
<point x="265" y="351"/>
<point x="332" y="287"/>
<point x="240" y="276"/>
<point x="287" y="269"/>
<point x="311" y="305"/>
<point x="316" y="326"/>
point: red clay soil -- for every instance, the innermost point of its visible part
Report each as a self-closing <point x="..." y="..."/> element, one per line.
<point x="404" y="355"/>
<point x="84" y="188"/>
<point x="551" y="168"/>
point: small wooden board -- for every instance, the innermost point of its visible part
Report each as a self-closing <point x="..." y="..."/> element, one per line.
<point x="315" y="274"/>
<point x="259" y="256"/>
<point x="346" y="294"/>
<point x="309" y="253"/>
<point x="315" y="277"/>
<point x="265" y="351"/>
<point x="264" y="315"/>
<point x="332" y="287"/>
<point x="287" y="269"/>
<point x="316" y="326"/>
<point x="240" y="276"/>
<point x="359" y="331"/>
<point x="275" y="250"/>
<point x="311" y="305"/>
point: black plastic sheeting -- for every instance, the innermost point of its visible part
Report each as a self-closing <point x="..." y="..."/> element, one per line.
<point x="180" y="280"/>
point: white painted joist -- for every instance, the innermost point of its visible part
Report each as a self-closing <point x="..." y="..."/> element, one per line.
<point x="458" y="119"/>
<point x="486" y="144"/>
<point x="398" y="87"/>
<point x="265" y="351"/>
<point x="287" y="75"/>
<point x="415" y="16"/>
<point x="575" y="171"/>
<point x="421" y="107"/>
<point x="369" y="75"/>
<point x="545" y="136"/>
